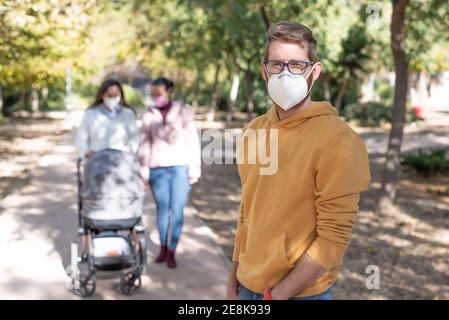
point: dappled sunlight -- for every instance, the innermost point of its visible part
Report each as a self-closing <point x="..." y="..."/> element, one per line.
<point x="390" y="86"/>
<point x="411" y="255"/>
<point x="412" y="238"/>
<point x="376" y="143"/>
<point x="39" y="223"/>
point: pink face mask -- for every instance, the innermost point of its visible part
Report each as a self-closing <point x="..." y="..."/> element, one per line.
<point x="160" y="101"/>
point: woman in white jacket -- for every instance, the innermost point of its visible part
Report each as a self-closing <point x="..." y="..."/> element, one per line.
<point x="110" y="123"/>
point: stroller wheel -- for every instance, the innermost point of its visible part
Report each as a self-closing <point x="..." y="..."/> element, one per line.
<point x="130" y="282"/>
<point x="86" y="287"/>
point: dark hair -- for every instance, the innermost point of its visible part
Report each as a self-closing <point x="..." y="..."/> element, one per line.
<point x="104" y="87"/>
<point x="292" y="32"/>
<point x="161" y="81"/>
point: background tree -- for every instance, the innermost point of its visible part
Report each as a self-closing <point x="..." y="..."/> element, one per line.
<point x="38" y="40"/>
<point x="392" y="162"/>
<point x="411" y="23"/>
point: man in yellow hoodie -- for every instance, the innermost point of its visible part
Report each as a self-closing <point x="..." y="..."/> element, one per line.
<point x="295" y="223"/>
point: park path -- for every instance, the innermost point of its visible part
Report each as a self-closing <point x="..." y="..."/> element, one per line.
<point x="38" y="222"/>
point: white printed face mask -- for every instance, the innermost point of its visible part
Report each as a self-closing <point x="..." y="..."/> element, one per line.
<point x="287" y="89"/>
<point x="112" y="103"/>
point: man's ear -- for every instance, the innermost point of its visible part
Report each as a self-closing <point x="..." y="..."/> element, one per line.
<point x="264" y="72"/>
<point x="316" y="70"/>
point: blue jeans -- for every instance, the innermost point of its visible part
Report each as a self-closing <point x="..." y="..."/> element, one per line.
<point x="246" y="294"/>
<point x="170" y="187"/>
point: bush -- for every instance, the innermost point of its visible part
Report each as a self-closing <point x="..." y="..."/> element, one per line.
<point x="369" y="114"/>
<point x="373" y="114"/>
<point x="56" y="99"/>
<point x="11" y="104"/>
<point x="427" y="163"/>
<point x="133" y="97"/>
<point x="385" y="92"/>
<point x="85" y="90"/>
<point x="410" y="116"/>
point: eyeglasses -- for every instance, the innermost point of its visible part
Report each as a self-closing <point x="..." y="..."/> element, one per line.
<point x="296" y="67"/>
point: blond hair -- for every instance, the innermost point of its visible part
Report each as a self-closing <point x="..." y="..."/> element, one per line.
<point x="292" y="32"/>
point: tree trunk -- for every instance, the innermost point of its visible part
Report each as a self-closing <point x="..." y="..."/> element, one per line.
<point x="1" y="101"/>
<point x="326" y="86"/>
<point x="213" y="101"/>
<point x="44" y="97"/>
<point x="264" y="15"/>
<point x="233" y="95"/>
<point x="34" y="99"/>
<point x="392" y="167"/>
<point x="196" y="91"/>
<point x="341" y="94"/>
<point x="22" y="102"/>
<point x="249" y="94"/>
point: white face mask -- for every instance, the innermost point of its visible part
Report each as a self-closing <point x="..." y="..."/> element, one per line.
<point x="112" y="103"/>
<point x="287" y="89"/>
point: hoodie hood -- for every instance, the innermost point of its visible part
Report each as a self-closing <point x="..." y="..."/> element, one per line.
<point x="316" y="109"/>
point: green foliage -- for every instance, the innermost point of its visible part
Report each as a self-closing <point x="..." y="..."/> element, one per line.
<point x="372" y="114"/>
<point x="368" y="114"/>
<point x="56" y="97"/>
<point x="85" y="89"/>
<point x="426" y="43"/>
<point x="38" y="40"/>
<point x="133" y="97"/>
<point x="352" y="94"/>
<point x="354" y="55"/>
<point x="411" y="117"/>
<point x="427" y="163"/>
<point x="385" y="92"/>
<point x="187" y="40"/>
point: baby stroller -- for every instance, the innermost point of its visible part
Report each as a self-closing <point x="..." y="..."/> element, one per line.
<point x="110" y="235"/>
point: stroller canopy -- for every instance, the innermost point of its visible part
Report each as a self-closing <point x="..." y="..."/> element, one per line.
<point x="112" y="187"/>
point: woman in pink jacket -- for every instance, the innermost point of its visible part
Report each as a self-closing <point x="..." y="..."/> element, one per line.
<point x="170" y="157"/>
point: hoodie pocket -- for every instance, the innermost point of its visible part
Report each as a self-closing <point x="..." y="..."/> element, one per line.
<point x="264" y="255"/>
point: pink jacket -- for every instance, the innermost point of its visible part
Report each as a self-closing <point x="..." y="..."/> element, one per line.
<point x="171" y="144"/>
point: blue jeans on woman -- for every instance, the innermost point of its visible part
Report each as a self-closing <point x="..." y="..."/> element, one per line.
<point x="170" y="187"/>
<point x="246" y="294"/>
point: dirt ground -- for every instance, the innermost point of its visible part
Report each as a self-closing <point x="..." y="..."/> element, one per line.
<point x="23" y="141"/>
<point x="410" y="245"/>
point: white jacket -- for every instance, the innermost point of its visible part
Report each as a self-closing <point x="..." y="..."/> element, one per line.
<point x="99" y="130"/>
